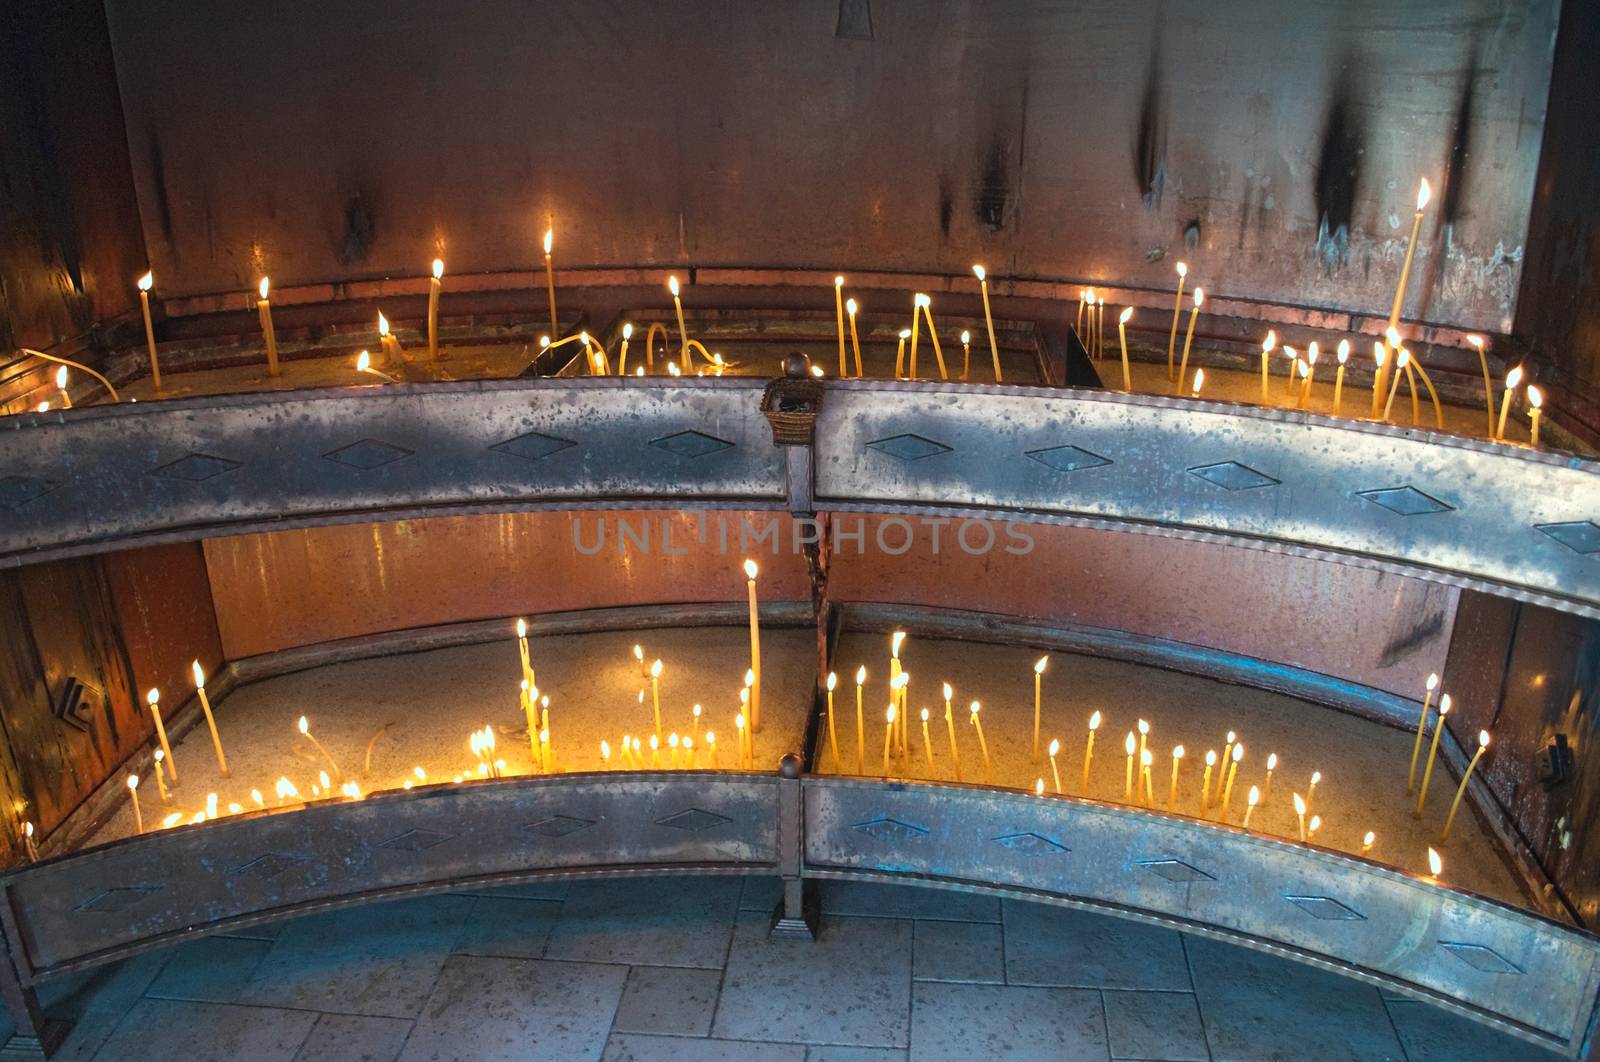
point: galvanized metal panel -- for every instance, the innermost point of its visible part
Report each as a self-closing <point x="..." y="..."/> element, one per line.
<point x="1491" y="962"/>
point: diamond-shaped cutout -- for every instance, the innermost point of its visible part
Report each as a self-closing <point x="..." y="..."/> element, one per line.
<point x="195" y="468"/>
<point x="1175" y="870"/>
<point x="1581" y="536"/>
<point x="1231" y="475"/>
<point x="1068" y="458"/>
<point x="690" y="444"/>
<point x="266" y="867"/>
<point x="693" y="820"/>
<point x="120" y="899"/>
<point x="887" y="829"/>
<point x="415" y="841"/>
<point x="367" y="454"/>
<point x="1031" y="843"/>
<point x="1407" y="501"/>
<point x="533" y="446"/>
<point x="1481" y="958"/>
<point x="557" y="826"/>
<point x="909" y="447"/>
<point x="1326" y="908"/>
<point x="17" y="491"/>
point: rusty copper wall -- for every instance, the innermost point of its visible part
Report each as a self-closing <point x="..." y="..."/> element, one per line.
<point x="282" y="589"/>
<point x="1274" y="145"/>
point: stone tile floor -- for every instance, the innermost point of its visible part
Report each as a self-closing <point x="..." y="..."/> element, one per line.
<point x="681" y="968"/>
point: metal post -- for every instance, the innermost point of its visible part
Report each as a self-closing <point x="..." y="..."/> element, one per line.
<point x="798" y="912"/>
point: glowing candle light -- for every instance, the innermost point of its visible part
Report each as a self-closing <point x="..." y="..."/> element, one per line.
<point x="1311" y="793"/>
<point x="688" y="753"/>
<point x="550" y="277"/>
<point x="1199" y="382"/>
<point x="1083" y="297"/>
<point x="1300" y="812"/>
<point x="1132" y="746"/>
<point x="838" y="309"/>
<point x="966" y="355"/>
<point x="950" y="725"/>
<point x="916" y="334"/>
<point x="1055" y="773"/>
<point x="896" y="640"/>
<point x="304" y="725"/>
<point x="1433" y="751"/>
<point x="153" y="699"/>
<point x="1147" y="791"/>
<point x="1172" y="788"/>
<point x="1267" y="346"/>
<point x="1144" y="736"/>
<point x="1461" y="790"/>
<point x="1488" y="387"/>
<point x="638" y="655"/>
<point x="1272" y="765"/>
<point x="1310" y="374"/>
<point x="1233" y="772"/>
<point x="1338" y="379"/>
<point x="388" y="341"/>
<point x="988" y="319"/>
<point x="1313" y="826"/>
<point x="1513" y="378"/>
<point x="264" y="311"/>
<point x="1177" y="312"/>
<point x="211" y="722"/>
<point x="1294" y="367"/>
<point x="133" y="793"/>
<point x="888" y="738"/>
<point x="833" y="730"/>
<point x="711" y="749"/>
<point x="1122" y="341"/>
<point x="1251" y="800"/>
<point x="1038" y="787"/>
<point x="1422" y="725"/>
<point x="1205" y="783"/>
<point x="1423" y="195"/>
<point x="145" y="283"/>
<point x="1366" y="842"/>
<point x="655" y="693"/>
<point x="988" y="770"/>
<point x="755" y="647"/>
<point x="526" y="658"/>
<point x="683" y="333"/>
<point x="161" y="785"/>
<point x="434" y="283"/>
<point x="694" y="725"/>
<point x="1088" y="752"/>
<point x="1402" y="359"/>
<point x="1380" y="354"/>
<point x="855" y="341"/>
<point x="61" y="387"/>
<point x="622" y="352"/>
<point x="27" y="842"/>
<point x="900" y="353"/>
<point x="1535" y="408"/>
<point x="655" y="744"/>
<point x="925" y="304"/>
<point x="672" y="750"/>
<point x="861" y="723"/>
<point x="1038" y="678"/>
<point x="364" y="364"/>
<point x="1227" y="754"/>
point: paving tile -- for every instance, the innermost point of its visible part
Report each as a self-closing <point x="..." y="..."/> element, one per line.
<point x="94" y="1002"/>
<point x="632" y="1047"/>
<point x="507" y="927"/>
<point x="852" y="986"/>
<point x="968" y="952"/>
<point x="648" y="922"/>
<point x="1155" y="1025"/>
<point x="210" y="970"/>
<point x="907" y="901"/>
<point x="1431" y="1034"/>
<point x="835" y="1053"/>
<point x="352" y="1038"/>
<point x="1256" y="1006"/>
<point x="761" y="893"/>
<point x="161" y="1030"/>
<point x="1059" y="946"/>
<point x="377" y="959"/>
<point x="964" y="1022"/>
<point x="671" y="1001"/>
<point x="515" y="1009"/>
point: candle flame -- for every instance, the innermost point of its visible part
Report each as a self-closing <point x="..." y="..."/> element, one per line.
<point x="1232" y="737"/>
<point x="1183" y="269"/>
<point x="1199" y="381"/>
<point x="850" y="307"/>
<point x="383" y="324"/>
<point x="147" y="281"/>
<point x="1043" y="662"/>
<point x="1444" y="705"/>
<point x="1435" y="864"/>
<point x="672" y="369"/>
<point x="1199" y="297"/>
<point x="1144" y="727"/>
<point x="1211" y="757"/>
<point x="655" y="670"/>
<point x="1316" y="776"/>
<point x="1513" y="378"/>
<point x="264" y="286"/>
<point x="322" y="776"/>
<point x="1147" y="757"/>
<point x="42" y="407"/>
<point x="1272" y="761"/>
<point x="861" y="675"/>
<point x="838" y="281"/>
<point x="672" y="286"/>
<point x="1311" y="352"/>
<point x="1393" y="336"/>
<point x="1476" y="341"/>
<point x="1254" y="797"/>
<point x="973" y="707"/>
<point x="1483" y="739"/>
<point x="549" y="240"/>
<point x="438" y="268"/>
<point x="833" y="680"/>
<point x="1535" y="396"/>
<point x="627" y="330"/>
<point x="522" y="628"/>
<point x="1311" y="827"/>
<point x="738" y="723"/>
<point x="1424" y="193"/>
<point x="1127" y="315"/>
<point x="1091" y="295"/>
<point x="1177" y="752"/>
<point x="1366" y="842"/>
<point x="921" y="300"/>
<point x="1094" y="720"/>
<point x="905" y="333"/>
<point x="896" y="640"/>
<point x="199" y="676"/>
<point x="61" y="378"/>
<point x="979" y="272"/>
<point x="1055" y="745"/>
<point x="1238" y="753"/>
<point x="153" y="697"/>
<point x="1270" y="342"/>
<point x="966" y="337"/>
<point x="890" y="715"/>
<point x="1130" y="743"/>
<point x="1299" y="804"/>
<point x="1380" y="353"/>
<point x="749" y="677"/>
<point x="1404" y="359"/>
<point x="750" y="569"/>
<point x="1038" y="787"/>
<point x="1433" y="681"/>
<point x="133" y="781"/>
<point x="304" y="724"/>
<point x="638" y="653"/>
<point x="1344" y="351"/>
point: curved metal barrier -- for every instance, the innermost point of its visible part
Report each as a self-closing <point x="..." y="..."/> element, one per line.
<point x="1531" y="976"/>
<point x="1505" y="519"/>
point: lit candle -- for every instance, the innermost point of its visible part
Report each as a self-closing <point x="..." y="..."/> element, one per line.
<point x="1535" y="408"/>
<point x="988" y="319"/>
<point x="1205" y="783"/>
<point x="605" y="754"/>
<point x="1199" y="382"/>
<point x="1312" y="827"/>
<point x="211" y="723"/>
<point x="1177" y="312"/>
<point x="1483" y="746"/>
<point x="526" y="657"/>
<point x="1253" y="798"/>
<point x="916" y="334"/>
<point x="1272" y="765"/>
<point x="1055" y="773"/>
<point x="1233" y="772"/>
<point x="1294" y="367"/>
<point x="833" y="730"/>
<point x="1122" y="341"/>
<point x="550" y="278"/>
<point x="1422" y="726"/>
<point x="672" y="750"/>
<point x="61" y="387"/>
<point x="146" y="282"/>
<point x="1423" y="194"/>
<point x="27" y="842"/>
<point x="855" y="341"/>
<point x="688" y="753"/>
<point x="900" y="353"/>
<point x="305" y="731"/>
<point x="1300" y="812"/>
<point x="1380" y="354"/>
<point x="1188" y="335"/>
<point x="927" y="745"/>
<point x="153" y="699"/>
<point x="896" y="640"/>
<point x="1513" y="378"/>
<point x="966" y="355"/>
<point x="755" y="647"/>
<point x="1127" y="789"/>
<point x="1311" y="793"/>
<point x="655" y="693"/>
<point x="133" y="792"/>
<point x="1083" y="297"/>
<point x="638" y="655"/>
<point x="1144" y="736"/>
<point x="161" y="785"/>
<point x="1266" y="353"/>
<point x="925" y="304"/>
<point x="655" y="744"/>
<point x="1227" y="754"/>
<point x="1038" y="787"/>
<point x="1147" y="791"/>
<point x="433" y="307"/>
<point x="264" y="311"/>
<point x="861" y="723"/>
<point x="1366" y="842"/>
<point x="950" y="726"/>
<point x="683" y="333"/>
<point x="1038" y="678"/>
<point x="711" y="748"/>
<point x="364" y="364"/>
<point x="1088" y="752"/>
<point x="749" y="741"/>
<point x="388" y="342"/>
<point x="1172" y="789"/>
<point x="1310" y="374"/>
<point x="622" y="352"/>
<point x="888" y="738"/>
<point x="1488" y="387"/>
<point x="1100" y="327"/>
<point x="1338" y="379"/>
<point x="988" y="771"/>
<point x="838" y="310"/>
